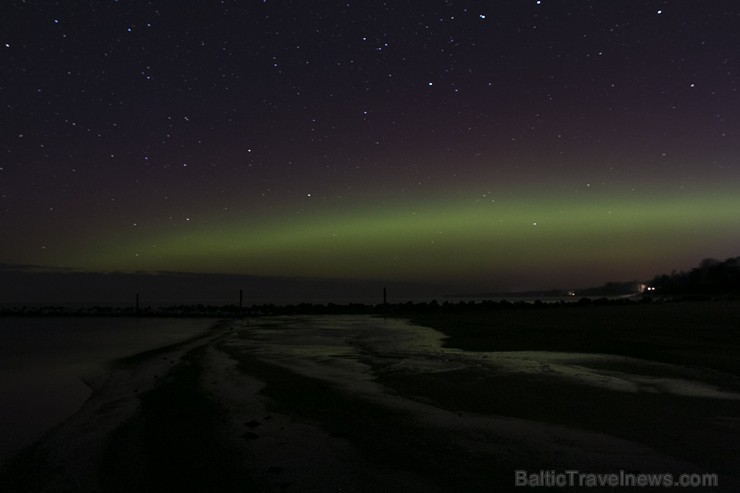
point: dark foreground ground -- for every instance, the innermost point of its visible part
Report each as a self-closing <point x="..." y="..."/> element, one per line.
<point x="210" y="415"/>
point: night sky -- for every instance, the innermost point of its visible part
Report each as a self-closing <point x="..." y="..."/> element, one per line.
<point x="499" y="145"/>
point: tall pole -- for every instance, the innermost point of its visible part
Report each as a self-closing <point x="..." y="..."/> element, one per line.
<point x="241" y="298"/>
<point x="385" y="296"/>
<point x="137" y="303"/>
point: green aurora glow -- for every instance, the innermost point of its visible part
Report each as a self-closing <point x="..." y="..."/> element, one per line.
<point x="514" y="243"/>
<point x="489" y="145"/>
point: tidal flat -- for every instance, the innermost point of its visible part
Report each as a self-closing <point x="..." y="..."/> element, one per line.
<point x="449" y="401"/>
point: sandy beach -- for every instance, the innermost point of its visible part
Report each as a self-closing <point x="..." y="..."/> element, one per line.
<point x="360" y="403"/>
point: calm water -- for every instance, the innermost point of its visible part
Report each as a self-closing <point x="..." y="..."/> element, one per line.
<point x="43" y="361"/>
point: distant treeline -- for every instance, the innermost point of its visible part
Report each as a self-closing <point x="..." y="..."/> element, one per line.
<point x="711" y="277"/>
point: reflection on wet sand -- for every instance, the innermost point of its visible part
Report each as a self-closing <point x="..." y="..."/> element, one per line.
<point x="352" y="351"/>
<point x="501" y="410"/>
<point x="357" y="403"/>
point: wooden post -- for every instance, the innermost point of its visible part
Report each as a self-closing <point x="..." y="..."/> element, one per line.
<point x="241" y="298"/>
<point x="137" y="303"/>
<point x="385" y="296"/>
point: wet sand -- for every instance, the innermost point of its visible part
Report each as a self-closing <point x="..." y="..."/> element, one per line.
<point x="353" y="403"/>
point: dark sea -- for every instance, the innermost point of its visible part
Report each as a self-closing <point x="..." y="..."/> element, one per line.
<point x="44" y="362"/>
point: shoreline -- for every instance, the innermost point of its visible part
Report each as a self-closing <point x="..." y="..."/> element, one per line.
<point x="92" y="375"/>
<point x="213" y="413"/>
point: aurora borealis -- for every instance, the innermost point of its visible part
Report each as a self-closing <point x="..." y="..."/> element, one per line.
<point x="497" y="145"/>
